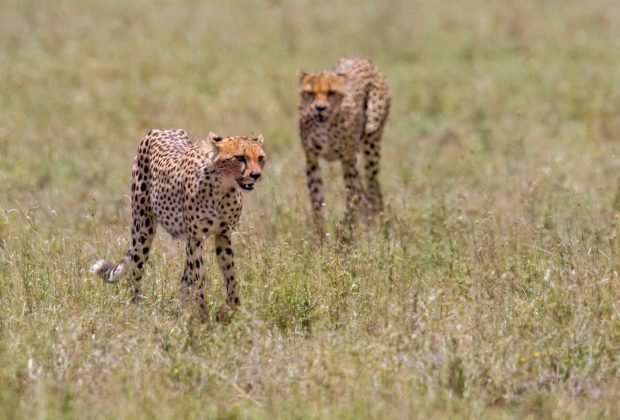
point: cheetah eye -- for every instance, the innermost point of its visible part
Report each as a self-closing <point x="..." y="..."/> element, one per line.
<point x="331" y="93"/>
<point x="240" y="158"/>
<point x="307" y="94"/>
<point x="261" y="158"/>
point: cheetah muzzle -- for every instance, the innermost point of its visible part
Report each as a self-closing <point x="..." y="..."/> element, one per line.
<point x="244" y="185"/>
<point x="320" y="118"/>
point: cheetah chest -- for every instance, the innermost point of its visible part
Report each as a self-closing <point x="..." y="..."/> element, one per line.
<point x="328" y="140"/>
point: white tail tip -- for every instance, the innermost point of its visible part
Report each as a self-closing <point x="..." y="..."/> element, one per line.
<point x="97" y="266"/>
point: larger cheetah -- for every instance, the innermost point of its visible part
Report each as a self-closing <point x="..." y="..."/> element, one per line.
<point x="341" y="116"/>
<point x="194" y="190"/>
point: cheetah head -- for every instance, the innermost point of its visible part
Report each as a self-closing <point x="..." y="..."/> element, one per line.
<point x="321" y="94"/>
<point x="239" y="159"/>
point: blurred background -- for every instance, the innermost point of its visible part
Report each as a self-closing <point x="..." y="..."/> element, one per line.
<point x="484" y="92"/>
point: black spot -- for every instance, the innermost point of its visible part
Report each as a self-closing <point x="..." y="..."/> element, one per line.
<point x="143" y="186"/>
<point x="135" y="258"/>
<point x="140" y="265"/>
<point x="218" y="250"/>
<point x="237" y="300"/>
<point x="229" y="251"/>
<point x="145" y="250"/>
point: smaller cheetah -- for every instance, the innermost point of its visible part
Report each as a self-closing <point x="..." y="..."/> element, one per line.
<point x="341" y="116"/>
<point x="193" y="189"/>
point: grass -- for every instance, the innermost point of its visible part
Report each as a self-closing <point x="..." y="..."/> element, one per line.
<point x="491" y="289"/>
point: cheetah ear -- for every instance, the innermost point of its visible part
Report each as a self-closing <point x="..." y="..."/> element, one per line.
<point x="260" y="139"/>
<point x="215" y="141"/>
<point x="214" y="138"/>
<point x="301" y="75"/>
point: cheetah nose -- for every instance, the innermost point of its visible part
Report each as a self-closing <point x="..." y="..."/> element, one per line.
<point x="320" y="107"/>
<point x="255" y="175"/>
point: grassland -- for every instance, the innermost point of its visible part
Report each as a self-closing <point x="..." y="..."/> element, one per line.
<point x="491" y="289"/>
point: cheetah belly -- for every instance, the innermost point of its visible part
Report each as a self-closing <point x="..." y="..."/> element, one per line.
<point x="168" y="207"/>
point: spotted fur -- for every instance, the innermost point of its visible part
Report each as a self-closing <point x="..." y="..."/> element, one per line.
<point x="342" y="113"/>
<point x="193" y="189"/>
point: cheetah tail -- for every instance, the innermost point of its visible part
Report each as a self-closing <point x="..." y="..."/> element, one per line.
<point x="109" y="272"/>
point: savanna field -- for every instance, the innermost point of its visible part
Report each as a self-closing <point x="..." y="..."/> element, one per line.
<point x="489" y="289"/>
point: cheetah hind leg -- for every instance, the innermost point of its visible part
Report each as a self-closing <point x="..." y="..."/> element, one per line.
<point x="193" y="282"/>
<point x="142" y="234"/>
<point x="372" y="155"/>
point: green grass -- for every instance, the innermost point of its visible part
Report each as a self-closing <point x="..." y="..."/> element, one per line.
<point x="491" y="289"/>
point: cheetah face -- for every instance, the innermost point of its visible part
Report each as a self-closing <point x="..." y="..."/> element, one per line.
<point x="240" y="159"/>
<point x="321" y="94"/>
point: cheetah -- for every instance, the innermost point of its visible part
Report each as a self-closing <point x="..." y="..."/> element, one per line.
<point x="342" y="113"/>
<point x="193" y="189"/>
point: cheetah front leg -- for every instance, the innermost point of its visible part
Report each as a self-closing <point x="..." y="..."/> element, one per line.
<point x="226" y="261"/>
<point x="315" y="188"/>
<point x="143" y="227"/>
<point x="354" y="195"/>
